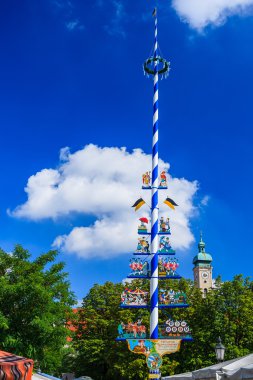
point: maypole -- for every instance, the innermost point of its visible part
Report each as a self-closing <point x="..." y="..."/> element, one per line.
<point x="154" y="202"/>
<point x="160" y="262"/>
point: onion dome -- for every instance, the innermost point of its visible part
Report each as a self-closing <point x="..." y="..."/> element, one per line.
<point x="202" y="258"/>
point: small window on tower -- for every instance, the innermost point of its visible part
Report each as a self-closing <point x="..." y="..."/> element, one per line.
<point x="205" y="292"/>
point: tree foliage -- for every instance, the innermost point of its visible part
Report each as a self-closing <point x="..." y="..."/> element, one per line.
<point x="35" y="301"/>
<point x="225" y="312"/>
<point x="99" y="355"/>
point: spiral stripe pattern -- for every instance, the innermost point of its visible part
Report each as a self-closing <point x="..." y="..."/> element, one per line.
<point x="154" y="207"/>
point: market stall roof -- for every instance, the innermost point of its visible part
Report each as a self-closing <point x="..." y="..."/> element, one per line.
<point x="15" y="367"/>
<point x="203" y="373"/>
<point x="43" y="376"/>
<point x="240" y="369"/>
<point x="209" y="373"/>
<point x="182" y="376"/>
<point x="235" y="369"/>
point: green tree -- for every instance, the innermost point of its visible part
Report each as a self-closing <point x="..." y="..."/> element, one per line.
<point x="225" y="312"/>
<point x="99" y="355"/>
<point x="35" y="302"/>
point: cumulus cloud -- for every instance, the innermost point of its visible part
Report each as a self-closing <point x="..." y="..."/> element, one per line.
<point x="103" y="182"/>
<point x="200" y="13"/>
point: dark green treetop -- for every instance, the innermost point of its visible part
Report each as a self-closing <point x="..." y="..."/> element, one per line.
<point x="35" y="302"/>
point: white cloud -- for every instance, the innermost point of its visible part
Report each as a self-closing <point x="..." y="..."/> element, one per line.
<point x="205" y="200"/>
<point x="200" y="13"/>
<point x="103" y="182"/>
<point x="62" y="4"/>
<point x="115" y="27"/>
<point x="78" y="303"/>
<point x="73" y="25"/>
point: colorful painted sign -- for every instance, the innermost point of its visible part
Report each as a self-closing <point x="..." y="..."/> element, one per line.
<point x="154" y="346"/>
<point x="163" y="180"/>
<point x="175" y="330"/>
<point x="135" y="297"/>
<point x="139" y="267"/>
<point x="170" y="297"/>
<point x="154" y="361"/>
<point x="131" y="330"/>
<point x="164" y="245"/>
<point x="142" y="228"/>
<point x="164" y="225"/>
<point x="167" y="266"/>
<point x="146" y="180"/>
<point x="167" y="346"/>
<point x="154" y="376"/>
<point x="143" y="245"/>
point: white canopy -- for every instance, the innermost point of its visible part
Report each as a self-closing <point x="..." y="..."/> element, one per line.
<point x="43" y="376"/>
<point x="182" y="376"/>
<point x="240" y="369"/>
<point x="210" y="372"/>
<point x="236" y="369"/>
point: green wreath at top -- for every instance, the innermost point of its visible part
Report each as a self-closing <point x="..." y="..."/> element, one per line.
<point x="163" y="70"/>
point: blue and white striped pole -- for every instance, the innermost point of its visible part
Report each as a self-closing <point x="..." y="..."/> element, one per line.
<point x="154" y="204"/>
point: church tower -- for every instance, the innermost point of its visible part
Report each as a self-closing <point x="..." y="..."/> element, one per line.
<point x="202" y="268"/>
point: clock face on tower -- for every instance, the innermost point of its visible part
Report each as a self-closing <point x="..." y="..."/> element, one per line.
<point x="205" y="275"/>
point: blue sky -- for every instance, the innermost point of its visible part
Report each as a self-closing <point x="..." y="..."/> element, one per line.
<point x="71" y="75"/>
